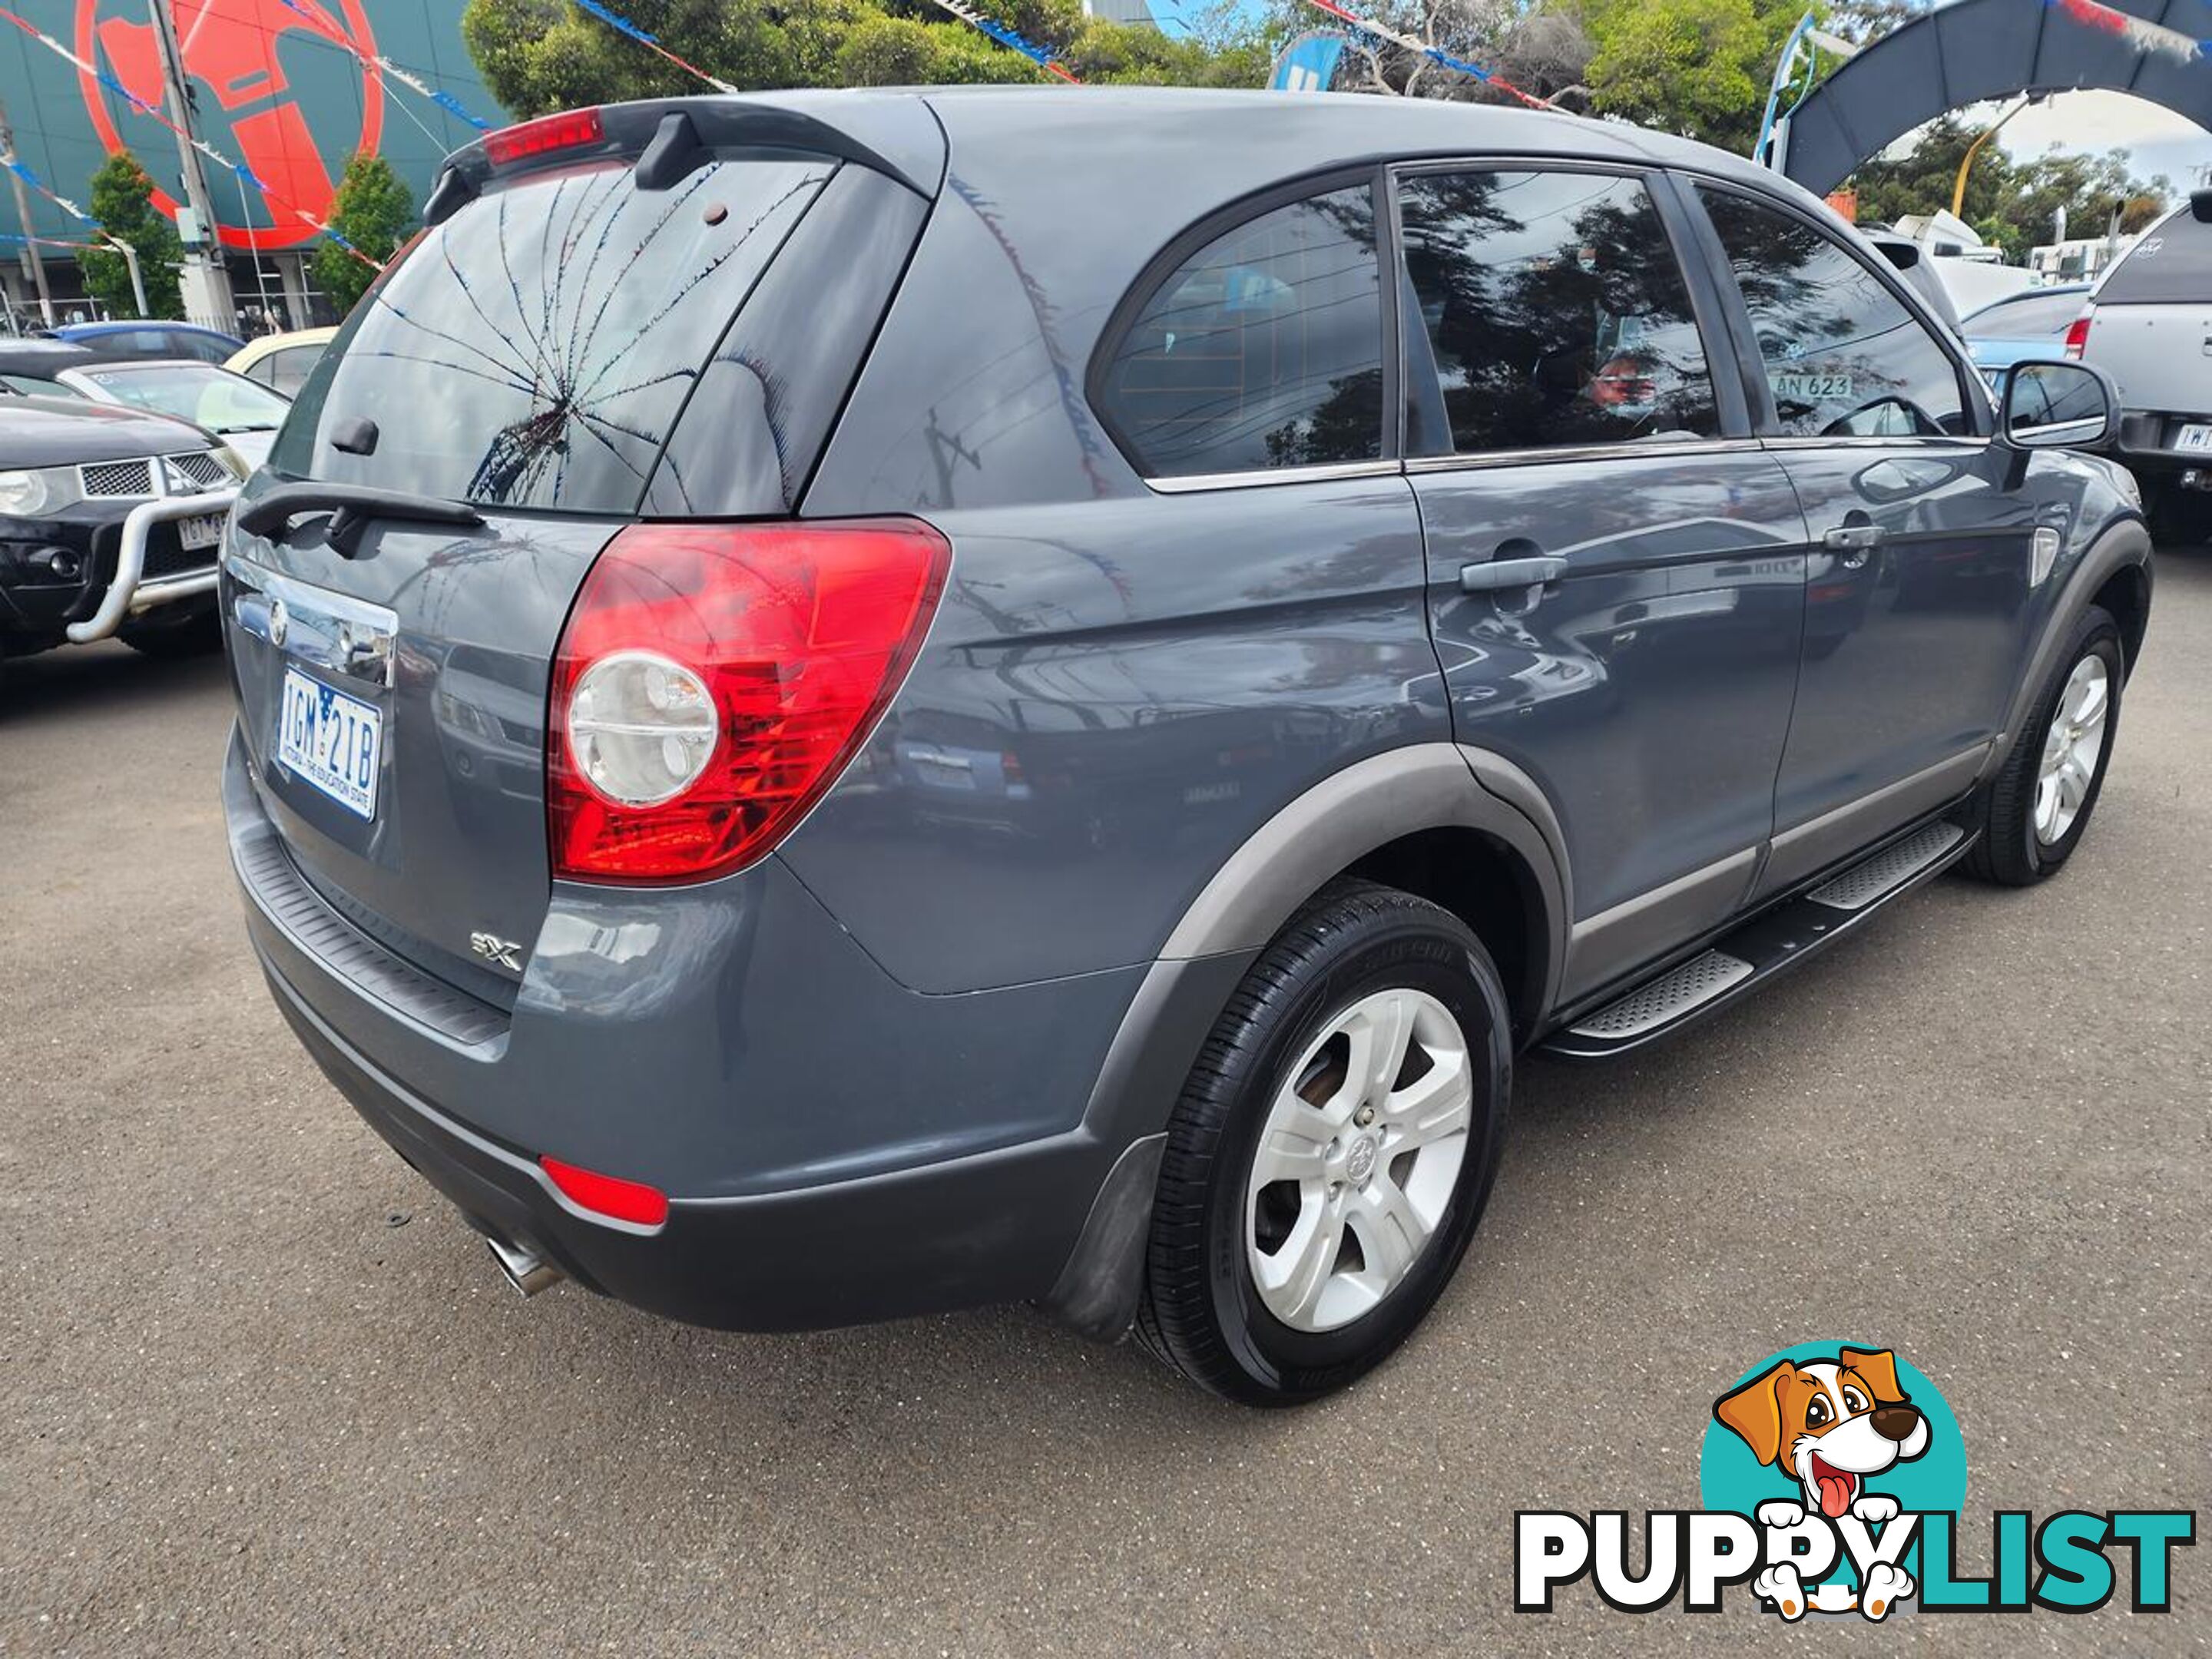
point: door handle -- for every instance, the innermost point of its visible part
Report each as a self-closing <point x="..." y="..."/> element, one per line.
<point x="1853" y="541"/>
<point x="1497" y="575"/>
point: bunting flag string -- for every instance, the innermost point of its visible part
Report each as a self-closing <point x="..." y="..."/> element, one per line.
<point x="622" y="24"/>
<point x="15" y="164"/>
<point x="2138" y="32"/>
<point x="1041" y="56"/>
<point x="245" y="174"/>
<point x="1437" y="55"/>
<point x="385" y="67"/>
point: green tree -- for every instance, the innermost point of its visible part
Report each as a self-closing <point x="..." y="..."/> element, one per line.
<point x="2012" y="202"/>
<point x="122" y="203"/>
<point x="1699" y="68"/>
<point x="541" y="55"/>
<point x="373" y="211"/>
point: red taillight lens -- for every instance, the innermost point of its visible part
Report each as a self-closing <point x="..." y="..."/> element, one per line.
<point x="572" y="129"/>
<point x="2077" y="334"/>
<point x="738" y="667"/>
<point x="622" y="1200"/>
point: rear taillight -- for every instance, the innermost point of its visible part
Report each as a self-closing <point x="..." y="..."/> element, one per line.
<point x="2077" y="333"/>
<point x="572" y="129"/>
<point x="714" y="680"/>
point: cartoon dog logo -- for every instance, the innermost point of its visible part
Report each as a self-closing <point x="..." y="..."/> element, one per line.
<point x="1831" y="1425"/>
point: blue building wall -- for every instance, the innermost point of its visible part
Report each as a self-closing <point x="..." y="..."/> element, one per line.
<point x="276" y="90"/>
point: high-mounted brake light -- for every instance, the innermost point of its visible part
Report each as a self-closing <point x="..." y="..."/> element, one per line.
<point x="608" y="1195"/>
<point x="572" y="129"/>
<point x="2077" y="334"/>
<point x="714" y="680"/>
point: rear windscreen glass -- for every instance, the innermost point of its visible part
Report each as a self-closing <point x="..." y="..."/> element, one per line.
<point x="535" y="348"/>
<point x="2031" y="317"/>
<point x="2170" y="266"/>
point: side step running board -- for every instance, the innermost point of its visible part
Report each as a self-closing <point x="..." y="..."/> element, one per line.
<point x="1746" y="958"/>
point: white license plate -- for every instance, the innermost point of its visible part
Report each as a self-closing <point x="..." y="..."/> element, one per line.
<point x="204" y="530"/>
<point x="333" y="741"/>
<point x="2194" y="438"/>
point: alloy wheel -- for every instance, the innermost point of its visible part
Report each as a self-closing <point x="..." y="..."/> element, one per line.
<point x="2071" y="749"/>
<point x="1357" y="1159"/>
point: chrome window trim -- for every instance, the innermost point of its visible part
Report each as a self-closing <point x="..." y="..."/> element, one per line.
<point x="1578" y="453"/>
<point x="1422" y="465"/>
<point x="1903" y="441"/>
<point x="1191" y="483"/>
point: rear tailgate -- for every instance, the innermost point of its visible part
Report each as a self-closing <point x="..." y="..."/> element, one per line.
<point x="2151" y="327"/>
<point x="578" y="341"/>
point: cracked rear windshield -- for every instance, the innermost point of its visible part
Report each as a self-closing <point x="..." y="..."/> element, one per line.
<point x="535" y="348"/>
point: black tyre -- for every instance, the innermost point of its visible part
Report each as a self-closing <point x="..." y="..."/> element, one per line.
<point x="2037" y="809"/>
<point x="1272" y="1284"/>
<point x="196" y="636"/>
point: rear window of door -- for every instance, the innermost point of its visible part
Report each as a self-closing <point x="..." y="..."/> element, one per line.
<point x="1263" y="349"/>
<point x="1553" y="309"/>
<point x="1843" y="355"/>
<point x="2170" y="266"/>
<point x="535" y="348"/>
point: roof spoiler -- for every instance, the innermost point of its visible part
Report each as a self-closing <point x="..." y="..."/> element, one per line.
<point x="673" y="136"/>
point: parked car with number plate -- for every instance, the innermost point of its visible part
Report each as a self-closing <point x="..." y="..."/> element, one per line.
<point x="242" y="412"/>
<point x="852" y="704"/>
<point x="109" y="521"/>
<point x="2148" y="325"/>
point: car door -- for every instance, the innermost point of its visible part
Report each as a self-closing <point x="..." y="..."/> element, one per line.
<point x="1918" y="595"/>
<point x="1616" y="568"/>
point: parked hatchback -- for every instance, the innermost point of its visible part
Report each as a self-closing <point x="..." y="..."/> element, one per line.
<point x="853" y="704"/>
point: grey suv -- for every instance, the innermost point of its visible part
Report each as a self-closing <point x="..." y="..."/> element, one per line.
<point x="863" y="703"/>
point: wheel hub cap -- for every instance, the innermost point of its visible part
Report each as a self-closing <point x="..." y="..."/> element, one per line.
<point x="1358" y="1158"/>
<point x="2071" y="749"/>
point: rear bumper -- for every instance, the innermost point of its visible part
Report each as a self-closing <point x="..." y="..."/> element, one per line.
<point x="993" y="1227"/>
<point x="835" y="1149"/>
<point x="2145" y="440"/>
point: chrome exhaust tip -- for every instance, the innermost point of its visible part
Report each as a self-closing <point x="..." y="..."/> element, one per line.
<point x="528" y="1271"/>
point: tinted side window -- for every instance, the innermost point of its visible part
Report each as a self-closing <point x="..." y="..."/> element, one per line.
<point x="1262" y="349"/>
<point x="2172" y="266"/>
<point x="1555" y="310"/>
<point x="1844" y="356"/>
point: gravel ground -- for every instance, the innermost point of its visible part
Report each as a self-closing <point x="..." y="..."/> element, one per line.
<point x="263" y="1393"/>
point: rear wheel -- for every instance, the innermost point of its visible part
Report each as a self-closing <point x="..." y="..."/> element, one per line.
<point x="1333" y="1150"/>
<point x="2035" y="813"/>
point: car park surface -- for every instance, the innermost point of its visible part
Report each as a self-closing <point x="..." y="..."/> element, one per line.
<point x="261" y="1394"/>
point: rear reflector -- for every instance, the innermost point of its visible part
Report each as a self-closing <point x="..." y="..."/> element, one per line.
<point x="714" y="679"/>
<point x="620" y="1200"/>
<point x="572" y="129"/>
<point x="2077" y="334"/>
